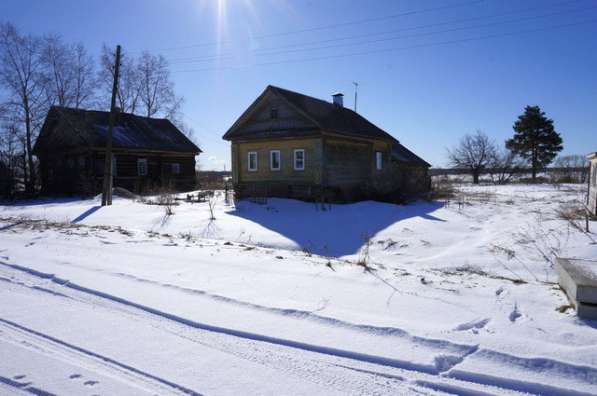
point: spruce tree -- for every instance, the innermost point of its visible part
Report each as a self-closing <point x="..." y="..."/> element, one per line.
<point x="535" y="139"/>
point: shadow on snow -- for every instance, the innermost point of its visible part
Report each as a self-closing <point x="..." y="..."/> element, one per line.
<point x="340" y="231"/>
<point x="86" y="214"/>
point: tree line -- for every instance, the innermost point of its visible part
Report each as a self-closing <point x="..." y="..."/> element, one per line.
<point x="534" y="145"/>
<point x="37" y="72"/>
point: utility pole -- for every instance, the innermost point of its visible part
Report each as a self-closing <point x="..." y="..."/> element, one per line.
<point x="356" y="87"/>
<point x="107" y="188"/>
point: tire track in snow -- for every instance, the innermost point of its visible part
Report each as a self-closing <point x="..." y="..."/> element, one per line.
<point x="384" y="331"/>
<point x="396" y="363"/>
<point x="309" y="366"/>
<point x="103" y="359"/>
<point x="446" y="365"/>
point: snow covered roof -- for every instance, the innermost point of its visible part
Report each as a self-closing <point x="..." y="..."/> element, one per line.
<point x="67" y="127"/>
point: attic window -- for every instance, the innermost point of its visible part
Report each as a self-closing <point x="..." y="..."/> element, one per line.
<point x="273" y="113"/>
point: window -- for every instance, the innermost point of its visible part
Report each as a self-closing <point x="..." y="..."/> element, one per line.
<point x="274" y="160"/>
<point x="175" y="168"/>
<point x="594" y="168"/>
<point x="299" y="159"/>
<point x="142" y="167"/>
<point x="273" y="113"/>
<point x="252" y="161"/>
<point x="378" y="160"/>
<point x="114" y="167"/>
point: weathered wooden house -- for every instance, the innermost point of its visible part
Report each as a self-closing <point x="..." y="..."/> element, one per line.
<point x="149" y="153"/>
<point x="288" y="144"/>
<point x="592" y="195"/>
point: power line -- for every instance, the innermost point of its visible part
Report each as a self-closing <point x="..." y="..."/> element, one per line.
<point x="302" y="60"/>
<point x="462" y="28"/>
<point x="331" y="26"/>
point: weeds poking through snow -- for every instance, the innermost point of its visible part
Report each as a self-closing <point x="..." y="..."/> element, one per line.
<point x="211" y="204"/>
<point x="364" y="254"/>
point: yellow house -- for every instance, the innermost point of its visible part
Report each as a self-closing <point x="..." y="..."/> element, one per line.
<point x="287" y="144"/>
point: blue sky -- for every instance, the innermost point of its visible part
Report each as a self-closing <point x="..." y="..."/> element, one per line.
<point x="428" y="71"/>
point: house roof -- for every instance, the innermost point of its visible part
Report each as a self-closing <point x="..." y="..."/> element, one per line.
<point x="326" y="116"/>
<point x="68" y="127"/>
<point x="402" y="154"/>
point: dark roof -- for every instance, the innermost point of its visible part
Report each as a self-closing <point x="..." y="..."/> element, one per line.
<point x="327" y="116"/>
<point x="67" y="127"/>
<point x="402" y="154"/>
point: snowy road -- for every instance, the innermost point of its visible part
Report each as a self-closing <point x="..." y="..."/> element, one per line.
<point x="57" y="326"/>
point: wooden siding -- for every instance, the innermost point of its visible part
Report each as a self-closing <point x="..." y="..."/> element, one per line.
<point x="287" y="118"/>
<point x="592" y="201"/>
<point x="347" y="162"/>
<point x="81" y="171"/>
<point x="287" y="174"/>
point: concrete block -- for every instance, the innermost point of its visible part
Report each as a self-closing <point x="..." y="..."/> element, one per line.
<point x="578" y="278"/>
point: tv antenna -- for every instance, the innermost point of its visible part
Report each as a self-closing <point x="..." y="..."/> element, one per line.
<point x="356" y="87"/>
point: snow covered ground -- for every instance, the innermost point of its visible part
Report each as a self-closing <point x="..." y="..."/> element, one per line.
<point x="449" y="297"/>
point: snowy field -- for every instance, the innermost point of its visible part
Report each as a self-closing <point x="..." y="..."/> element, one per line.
<point x="444" y="297"/>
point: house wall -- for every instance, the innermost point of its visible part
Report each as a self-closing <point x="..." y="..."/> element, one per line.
<point x="81" y="171"/>
<point x="348" y="163"/>
<point x="592" y="201"/>
<point x="287" y="173"/>
<point x="287" y="180"/>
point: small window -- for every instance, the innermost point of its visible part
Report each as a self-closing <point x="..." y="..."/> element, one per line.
<point x="252" y="161"/>
<point x="378" y="160"/>
<point x="114" y="166"/>
<point x="274" y="160"/>
<point x="273" y="113"/>
<point x="175" y="168"/>
<point x="142" y="167"/>
<point x="299" y="159"/>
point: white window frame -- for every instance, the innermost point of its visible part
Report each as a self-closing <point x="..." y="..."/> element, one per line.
<point x="175" y="168"/>
<point x="378" y="160"/>
<point x="249" y="168"/>
<point x="142" y="169"/>
<point x="302" y="167"/>
<point x="271" y="160"/>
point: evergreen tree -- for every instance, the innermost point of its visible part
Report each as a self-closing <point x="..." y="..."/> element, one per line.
<point x="535" y="139"/>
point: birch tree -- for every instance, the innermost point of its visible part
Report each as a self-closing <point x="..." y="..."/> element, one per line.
<point x="22" y="78"/>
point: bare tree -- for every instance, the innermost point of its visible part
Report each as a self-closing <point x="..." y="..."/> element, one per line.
<point x="503" y="165"/>
<point x="571" y="168"/>
<point x="145" y="88"/>
<point x="21" y="76"/>
<point x="128" y="87"/>
<point x="474" y="152"/>
<point x="85" y="81"/>
<point x="56" y="74"/>
<point x="156" y="87"/>
<point x="10" y="157"/>
<point x="69" y="76"/>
